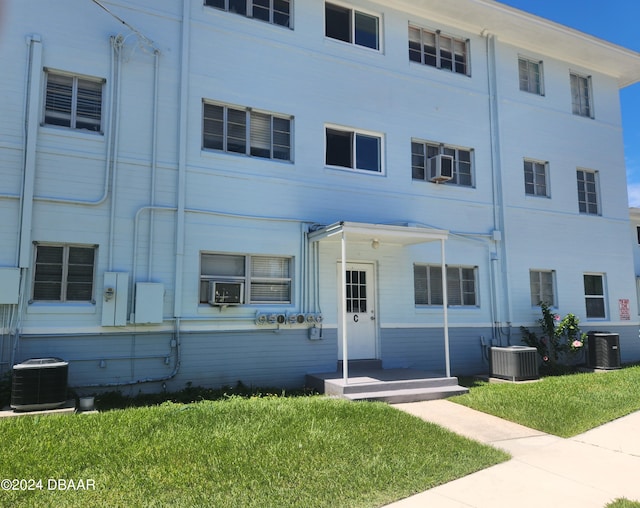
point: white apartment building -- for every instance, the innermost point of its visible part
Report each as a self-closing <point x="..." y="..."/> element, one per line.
<point x="207" y="191"/>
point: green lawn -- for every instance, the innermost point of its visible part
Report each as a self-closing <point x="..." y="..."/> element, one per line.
<point x="561" y="405"/>
<point x="257" y="452"/>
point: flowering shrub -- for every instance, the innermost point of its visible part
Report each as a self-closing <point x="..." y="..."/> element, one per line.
<point x="560" y="336"/>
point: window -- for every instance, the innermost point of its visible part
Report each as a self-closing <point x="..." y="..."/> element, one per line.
<point x="353" y="149"/>
<point x="530" y="73"/>
<point x="581" y="95"/>
<point x="63" y="273"/>
<point x="242" y="130"/>
<point x="74" y="102"/>
<point x="542" y="287"/>
<point x="535" y="178"/>
<point x="422" y="151"/>
<point x="348" y="25"/>
<point x="438" y="50"/>
<point x="587" y="192"/>
<point x="594" y="295"/>
<point x="277" y="12"/>
<point x="461" y="285"/>
<point x="267" y="279"/>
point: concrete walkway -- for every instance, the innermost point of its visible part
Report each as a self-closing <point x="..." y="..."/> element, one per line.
<point x="588" y="470"/>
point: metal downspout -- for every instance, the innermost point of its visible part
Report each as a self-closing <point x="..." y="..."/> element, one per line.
<point x="31" y="123"/>
<point x="497" y="260"/>
<point x="154" y="160"/>
<point x="117" y="43"/>
<point x="182" y="160"/>
<point x="31" y="140"/>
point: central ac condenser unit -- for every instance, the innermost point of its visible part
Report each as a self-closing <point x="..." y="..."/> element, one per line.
<point x="515" y="363"/>
<point x="38" y="384"/>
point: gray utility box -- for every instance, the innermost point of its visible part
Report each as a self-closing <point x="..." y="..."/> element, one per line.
<point x="515" y="363"/>
<point x="603" y="350"/>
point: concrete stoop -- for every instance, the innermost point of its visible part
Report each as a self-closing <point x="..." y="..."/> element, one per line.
<point x="388" y="385"/>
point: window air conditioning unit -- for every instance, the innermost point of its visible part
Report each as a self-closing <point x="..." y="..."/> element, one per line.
<point x="440" y="168"/>
<point x="226" y="293"/>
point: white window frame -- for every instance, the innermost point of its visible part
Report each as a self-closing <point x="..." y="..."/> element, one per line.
<point x="229" y="6"/>
<point x="65" y="267"/>
<point x="352" y="25"/>
<point x="58" y="114"/>
<point x="442" y="149"/>
<point x="536" y="166"/>
<point x="249" y="135"/>
<point x="248" y="278"/>
<point x="594" y="296"/>
<point x="452" y="292"/>
<point x="588" y="192"/>
<point x="530" y="83"/>
<point x="536" y="277"/>
<point x="439" y="39"/>
<point x="581" y="95"/>
<point x="355" y="134"/>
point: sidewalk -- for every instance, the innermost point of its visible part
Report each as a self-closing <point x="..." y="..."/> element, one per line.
<point x="588" y="470"/>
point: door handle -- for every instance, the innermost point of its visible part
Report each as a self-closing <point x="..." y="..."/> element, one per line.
<point x="373" y="317"/>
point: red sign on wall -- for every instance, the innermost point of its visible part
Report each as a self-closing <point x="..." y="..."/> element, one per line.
<point x="623" y="307"/>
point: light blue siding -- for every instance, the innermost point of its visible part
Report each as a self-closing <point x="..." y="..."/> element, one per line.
<point x="152" y="200"/>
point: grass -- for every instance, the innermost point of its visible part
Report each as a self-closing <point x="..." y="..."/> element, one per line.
<point x="561" y="405"/>
<point x="239" y="452"/>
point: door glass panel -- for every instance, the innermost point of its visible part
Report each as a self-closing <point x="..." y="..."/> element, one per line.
<point x="356" y="291"/>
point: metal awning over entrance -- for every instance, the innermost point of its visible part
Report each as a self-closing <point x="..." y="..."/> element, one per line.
<point x="376" y="234"/>
<point x="383" y="233"/>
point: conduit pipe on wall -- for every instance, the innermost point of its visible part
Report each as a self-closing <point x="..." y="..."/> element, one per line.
<point x="108" y="135"/>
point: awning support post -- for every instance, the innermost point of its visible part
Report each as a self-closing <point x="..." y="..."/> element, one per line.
<point x="345" y="359"/>
<point x="445" y="311"/>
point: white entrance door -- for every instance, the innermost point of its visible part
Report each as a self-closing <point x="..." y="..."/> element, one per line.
<point x="360" y="312"/>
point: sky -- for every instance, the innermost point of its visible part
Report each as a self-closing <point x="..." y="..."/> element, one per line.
<point x="614" y="21"/>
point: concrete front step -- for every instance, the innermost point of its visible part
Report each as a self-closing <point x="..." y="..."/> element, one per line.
<point x="391" y="385"/>
<point x="408" y="394"/>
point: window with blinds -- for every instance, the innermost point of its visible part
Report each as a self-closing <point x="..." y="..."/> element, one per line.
<point x="242" y="130"/>
<point x="461" y="285"/>
<point x="422" y="151"/>
<point x="63" y="273"/>
<point x="267" y="279"/>
<point x="74" y="102"/>
<point x="581" y="95"/>
<point x="530" y="76"/>
<point x="542" y="287"/>
<point x="438" y="50"/>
